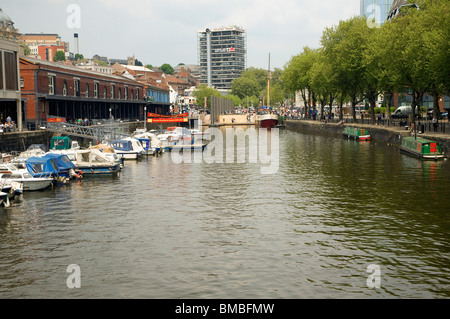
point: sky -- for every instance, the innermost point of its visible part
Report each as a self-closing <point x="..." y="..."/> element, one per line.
<point x="165" y="31"/>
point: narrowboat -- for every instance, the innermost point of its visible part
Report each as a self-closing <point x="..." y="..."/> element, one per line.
<point x="356" y="133"/>
<point x="422" y="148"/>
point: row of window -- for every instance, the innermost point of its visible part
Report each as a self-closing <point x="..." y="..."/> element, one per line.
<point x="127" y="94"/>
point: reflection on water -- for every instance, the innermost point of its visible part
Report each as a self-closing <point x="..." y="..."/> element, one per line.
<point x="166" y="230"/>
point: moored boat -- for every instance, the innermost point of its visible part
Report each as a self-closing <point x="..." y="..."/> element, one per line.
<point x="128" y="148"/>
<point x="422" y="148"/>
<point x="93" y="162"/>
<point x="356" y="133"/>
<point x="267" y="120"/>
<point x="29" y="182"/>
<point x="150" y="142"/>
<point x="4" y="199"/>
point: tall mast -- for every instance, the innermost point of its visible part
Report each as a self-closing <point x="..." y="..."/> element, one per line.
<point x="268" y="86"/>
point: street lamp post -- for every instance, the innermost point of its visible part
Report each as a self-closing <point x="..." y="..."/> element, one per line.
<point x="145" y="118"/>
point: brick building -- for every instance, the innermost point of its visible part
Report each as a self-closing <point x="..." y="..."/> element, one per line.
<point x="57" y="90"/>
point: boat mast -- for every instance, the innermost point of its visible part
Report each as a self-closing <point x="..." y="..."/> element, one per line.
<point x="268" y="87"/>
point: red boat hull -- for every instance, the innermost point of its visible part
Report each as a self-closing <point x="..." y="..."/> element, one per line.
<point x="268" y="123"/>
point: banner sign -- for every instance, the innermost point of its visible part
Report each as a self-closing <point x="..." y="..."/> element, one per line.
<point x="154" y="115"/>
<point x="167" y="120"/>
<point x="56" y="120"/>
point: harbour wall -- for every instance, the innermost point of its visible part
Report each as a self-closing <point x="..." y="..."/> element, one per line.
<point x="390" y="135"/>
<point x="20" y="141"/>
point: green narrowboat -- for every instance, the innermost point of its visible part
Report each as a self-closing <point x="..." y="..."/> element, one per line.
<point x="422" y="148"/>
<point x="357" y="133"/>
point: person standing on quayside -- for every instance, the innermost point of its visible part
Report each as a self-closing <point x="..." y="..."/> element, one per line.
<point x="435" y="124"/>
<point x="8" y="120"/>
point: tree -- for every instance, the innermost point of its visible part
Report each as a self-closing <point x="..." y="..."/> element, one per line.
<point x="78" y="57"/>
<point x="167" y="69"/>
<point x="26" y="49"/>
<point x="59" y="56"/>
<point x="137" y="62"/>
<point x="296" y="77"/>
<point x="245" y="86"/>
<point x="344" y="47"/>
<point x="203" y="91"/>
<point x="149" y="66"/>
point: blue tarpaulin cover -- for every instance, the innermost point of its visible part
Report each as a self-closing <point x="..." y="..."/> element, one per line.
<point x="49" y="165"/>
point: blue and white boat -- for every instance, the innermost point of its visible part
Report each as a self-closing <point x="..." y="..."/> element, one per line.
<point x="56" y="166"/>
<point x="151" y="144"/>
<point x="94" y="162"/>
<point x="128" y="148"/>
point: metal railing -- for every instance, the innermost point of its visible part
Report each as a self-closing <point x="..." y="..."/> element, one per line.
<point x="109" y="131"/>
<point x="424" y="125"/>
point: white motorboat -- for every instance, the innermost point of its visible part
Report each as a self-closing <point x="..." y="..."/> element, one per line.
<point x="29" y="182"/>
<point x="150" y="142"/>
<point x="108" y="152"/>
<point x="175" y="136"/>
<point x="4" y="199"/>
<point x="94" y="162"/>
<point x="128" y="148"/>
<point x="11" y="187"/>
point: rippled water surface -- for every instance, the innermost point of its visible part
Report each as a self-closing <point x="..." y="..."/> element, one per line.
<point x="167" y="230"/>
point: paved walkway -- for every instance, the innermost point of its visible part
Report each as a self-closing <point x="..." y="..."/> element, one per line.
<point x="394" y="129"/>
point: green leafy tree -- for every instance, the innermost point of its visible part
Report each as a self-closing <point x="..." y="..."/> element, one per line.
<point x="149" y="66"/>
<point x="78" y="57"/>
<point x="167" y="68"/>
<point x="59" y="56"/>
<point x="245" y="86"/>
<point x="297" y="76"/>
<point x="203" y="91"/>
<point x="344" y="46"/>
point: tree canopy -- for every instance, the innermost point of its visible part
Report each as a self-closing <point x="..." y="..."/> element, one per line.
<point x="59" y="56"/>
<point x="357" y="61"/>
<point x="167" y="68"/>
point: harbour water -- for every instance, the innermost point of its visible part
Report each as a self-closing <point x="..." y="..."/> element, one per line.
<point x="160" y="229"/>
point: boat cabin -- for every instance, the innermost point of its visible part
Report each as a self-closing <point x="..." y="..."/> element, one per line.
<point x="63" y="143"/>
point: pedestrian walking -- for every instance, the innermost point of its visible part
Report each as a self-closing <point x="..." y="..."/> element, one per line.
<point x="435" y="124"/>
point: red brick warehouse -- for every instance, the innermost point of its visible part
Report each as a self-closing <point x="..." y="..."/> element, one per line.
<point x="57" y="90"/>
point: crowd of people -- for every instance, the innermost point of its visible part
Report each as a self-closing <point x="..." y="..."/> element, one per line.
<point x="7" y="126"/>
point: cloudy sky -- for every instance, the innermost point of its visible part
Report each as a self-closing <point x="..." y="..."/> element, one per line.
<point x="165" y="31"/>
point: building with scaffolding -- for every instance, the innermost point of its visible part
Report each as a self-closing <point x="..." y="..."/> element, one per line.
<point x="222" y="56"/>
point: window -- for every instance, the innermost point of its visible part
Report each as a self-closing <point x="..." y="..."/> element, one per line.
<point x="96" y="90"/>
<point x="120" y="93"/>
<point x="125" y="93"/>
<point x="87" y="89"/>
<point x="137" y="93"/>
<point x="65" y="88"/>
<point x="113" y="89"/>
<point x="132" y="95"/>
<point x="76" y="88"/>
<point x="51" y="84"/>
<point x="105" y="92"/>
<point x="11" y="74"/>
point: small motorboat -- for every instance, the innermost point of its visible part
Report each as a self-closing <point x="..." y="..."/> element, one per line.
<point x="29" y="182"/>
<point x="128" y="148"/>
